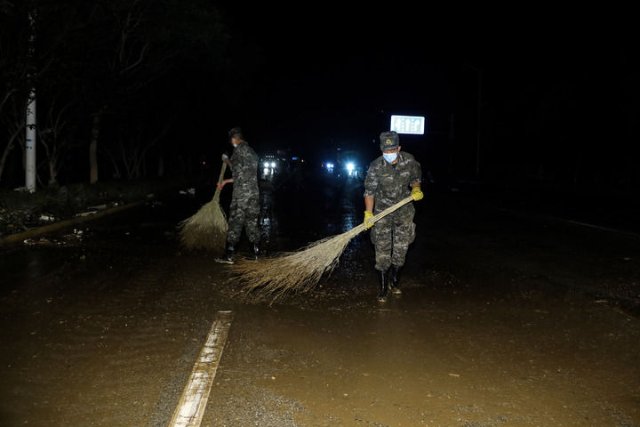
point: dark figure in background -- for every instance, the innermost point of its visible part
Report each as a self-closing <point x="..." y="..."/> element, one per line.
<point x="245" y="201"/>
<point x="390" y="178"/>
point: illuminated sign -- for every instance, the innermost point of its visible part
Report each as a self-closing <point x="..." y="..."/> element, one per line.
<point x="412" y="125"/>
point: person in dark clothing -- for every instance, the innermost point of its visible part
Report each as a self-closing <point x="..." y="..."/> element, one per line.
<point x="245" y="200"/>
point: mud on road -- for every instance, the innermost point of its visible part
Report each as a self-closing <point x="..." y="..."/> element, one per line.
<point x="503" y="321"/>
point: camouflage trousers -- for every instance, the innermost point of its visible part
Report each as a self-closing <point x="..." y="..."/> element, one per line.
<point x="392" y="236"/>
<point x="244" y="213"/>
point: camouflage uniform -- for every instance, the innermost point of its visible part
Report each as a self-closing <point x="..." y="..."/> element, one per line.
<point x="389" y="184"/>
<point x="245" y="201"/>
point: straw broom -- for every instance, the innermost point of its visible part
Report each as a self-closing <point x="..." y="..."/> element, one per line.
<point x="298" y="272"/>
<point x="207" y="228"/>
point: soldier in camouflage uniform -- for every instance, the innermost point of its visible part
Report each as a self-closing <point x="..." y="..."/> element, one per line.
<point x="245" y="201"/>
<point x="390" y="178"/>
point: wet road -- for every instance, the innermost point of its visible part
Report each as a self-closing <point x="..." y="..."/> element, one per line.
<point x="505" y="320"/>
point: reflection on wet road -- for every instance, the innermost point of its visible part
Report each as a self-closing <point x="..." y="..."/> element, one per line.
<point x="292" y="217"/>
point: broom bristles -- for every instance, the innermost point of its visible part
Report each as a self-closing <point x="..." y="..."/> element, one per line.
<point x="206" y="229"/>
<point x="300" y="271"/>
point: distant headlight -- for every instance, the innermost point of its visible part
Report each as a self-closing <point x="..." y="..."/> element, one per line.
<point x="266" y="164"/>
<point x="273" y="164"/>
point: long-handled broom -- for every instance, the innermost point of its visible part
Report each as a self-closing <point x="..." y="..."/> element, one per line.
<point x="297" y="272"/>
<point x="207" y="228"/>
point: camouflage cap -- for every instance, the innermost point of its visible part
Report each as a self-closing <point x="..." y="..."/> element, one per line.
<point x="389" y="140"/>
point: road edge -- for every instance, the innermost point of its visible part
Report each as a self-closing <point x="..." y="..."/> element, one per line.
<point x="57" y="226"/>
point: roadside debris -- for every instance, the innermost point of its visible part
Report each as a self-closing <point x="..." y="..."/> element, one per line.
<point x="74" y="237"/>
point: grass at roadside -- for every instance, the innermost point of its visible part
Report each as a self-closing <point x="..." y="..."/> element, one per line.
<point x="21" y="211"/>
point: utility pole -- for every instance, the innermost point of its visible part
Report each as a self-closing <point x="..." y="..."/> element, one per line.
<point x="31" y="122"/>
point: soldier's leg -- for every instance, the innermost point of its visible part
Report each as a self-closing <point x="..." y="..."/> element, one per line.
<point x="252" y="214"/>
<point x="403" y="236"/>
<point x="382" y="239"/>
<point x="404" y="233"/>
<point x="236" y="222"/>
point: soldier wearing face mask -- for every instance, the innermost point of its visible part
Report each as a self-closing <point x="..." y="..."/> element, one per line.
<point x="390" y="178"/>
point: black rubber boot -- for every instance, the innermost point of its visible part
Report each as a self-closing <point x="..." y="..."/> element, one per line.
<point x="256" y="251"/>
<point x="228" y="257"/>
<point x="394" y="279"/>
<point x="384" y="286"/>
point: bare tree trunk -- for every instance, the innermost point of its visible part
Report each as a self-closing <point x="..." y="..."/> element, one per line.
<point x="53" y="171"/>
<point x="93" y="147"/>
<point x="50" y="134"/>
<point x="129" y="158"/>
<point x="51" y="160"/>
<point x="31" y="169"/>
<point x="116" y="168"/>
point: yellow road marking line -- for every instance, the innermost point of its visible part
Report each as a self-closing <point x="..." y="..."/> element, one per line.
<point x="193" y="401"/>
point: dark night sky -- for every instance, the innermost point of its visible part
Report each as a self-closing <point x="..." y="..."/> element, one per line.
<point x="553" y="81"/>
<point x="331" y="73"/>
<point x="560" y="86"/>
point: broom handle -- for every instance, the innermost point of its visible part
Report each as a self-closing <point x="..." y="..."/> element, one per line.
<point x="216" y="195"/>
<point x="377" y="217"/>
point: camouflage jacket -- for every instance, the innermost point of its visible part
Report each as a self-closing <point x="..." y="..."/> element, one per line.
<point x="244" y="169"/>
<point x="388" y="183"/>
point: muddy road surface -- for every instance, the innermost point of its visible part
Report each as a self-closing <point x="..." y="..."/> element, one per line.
<point x="505" y="320"/>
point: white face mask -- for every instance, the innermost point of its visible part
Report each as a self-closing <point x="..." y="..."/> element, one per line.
<point x="390" y="157"/>
<point x="234" y="145"/>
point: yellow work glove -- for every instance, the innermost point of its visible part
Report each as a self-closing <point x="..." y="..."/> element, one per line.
<point x="417" y="194"/>
<point x="368" y="219"/>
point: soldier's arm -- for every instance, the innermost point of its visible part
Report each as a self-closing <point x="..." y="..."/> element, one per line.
<point x="225" y="182"/>
<point x="370" y="187"/>
<point x="368" y="203"/>
<point x="416" y="175"/>
<point x="416" y="179"/>
<point x="237" y="160"/>
<point x="240" y="159"/>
